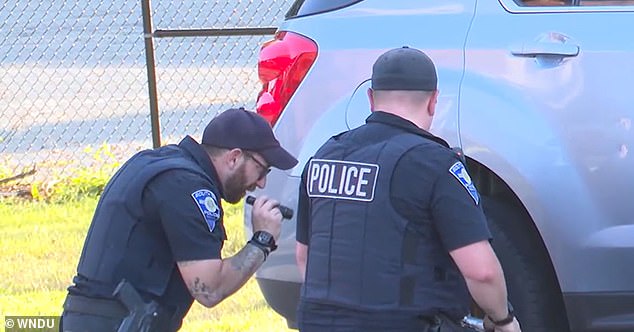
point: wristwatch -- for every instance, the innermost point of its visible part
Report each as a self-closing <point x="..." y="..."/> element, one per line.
<point x="507" y="320"/>
<point x="265" y="241"/>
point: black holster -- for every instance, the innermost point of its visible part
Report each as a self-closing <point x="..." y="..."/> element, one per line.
<point x="143" y="316"/>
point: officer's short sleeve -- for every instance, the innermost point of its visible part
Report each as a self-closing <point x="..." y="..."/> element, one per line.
<point x="175" y="196"/>
<point x="303" y="212"/>
<point x="455" y="207"/>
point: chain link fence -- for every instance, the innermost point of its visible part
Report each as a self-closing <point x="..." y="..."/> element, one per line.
<point x="73" y="76"/>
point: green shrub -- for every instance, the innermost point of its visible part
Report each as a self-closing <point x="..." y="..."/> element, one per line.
<point x="82" y="182"/>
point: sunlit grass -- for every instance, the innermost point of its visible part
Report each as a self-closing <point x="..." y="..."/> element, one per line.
<point x="40" y="247"/>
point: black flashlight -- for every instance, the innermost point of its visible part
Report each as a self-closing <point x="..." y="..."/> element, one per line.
<point x="287" y="213"/>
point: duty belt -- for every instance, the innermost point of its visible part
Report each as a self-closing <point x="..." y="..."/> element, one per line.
<point x="95" y="306"/>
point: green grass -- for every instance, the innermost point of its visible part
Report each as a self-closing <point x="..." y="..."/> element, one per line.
<point x="41" y="243"/>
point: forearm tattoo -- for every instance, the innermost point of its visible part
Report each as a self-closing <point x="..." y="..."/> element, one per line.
<point x="200" y="289"/>
<point x="248" y="259"/>
<point x="244" y="263"/>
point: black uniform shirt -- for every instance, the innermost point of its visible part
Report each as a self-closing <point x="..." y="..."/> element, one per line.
<point x="426" y="185"/>
<point x="168" y="204"/>
<point x="169" y="198"/>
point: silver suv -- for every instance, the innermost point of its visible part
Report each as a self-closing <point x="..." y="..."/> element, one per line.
<point x="539" y="96"/>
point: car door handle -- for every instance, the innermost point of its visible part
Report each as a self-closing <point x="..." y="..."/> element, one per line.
<point x="538" y="49"/>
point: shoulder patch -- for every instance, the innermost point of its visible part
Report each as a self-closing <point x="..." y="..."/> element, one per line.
<point x="208" y="205"/>
<point x="460" y="172"/>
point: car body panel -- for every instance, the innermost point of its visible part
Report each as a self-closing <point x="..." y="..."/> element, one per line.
<point x="319" y="108"/>
<point x="565" y="120"/>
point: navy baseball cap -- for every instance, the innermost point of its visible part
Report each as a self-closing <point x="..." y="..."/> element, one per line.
<point x="239" y="128"/>
<point x="404" y="69"/>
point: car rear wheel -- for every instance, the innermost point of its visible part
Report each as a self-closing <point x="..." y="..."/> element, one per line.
<point x="533" y="289"/>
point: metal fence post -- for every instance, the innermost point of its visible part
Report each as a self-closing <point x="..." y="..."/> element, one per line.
<point x="151" y="72"/>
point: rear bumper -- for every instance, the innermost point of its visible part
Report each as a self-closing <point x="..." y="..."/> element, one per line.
<point x="283" y="297"/>
<point x="600" y="312"/>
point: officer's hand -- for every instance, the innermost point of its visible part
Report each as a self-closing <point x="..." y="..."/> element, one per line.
<point x="488" y="324"/>
<point x="265" y="216"/>
<point x="514" y="326"/>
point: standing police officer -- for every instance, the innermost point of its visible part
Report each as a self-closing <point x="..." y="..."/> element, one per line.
<point x="158" y="227"/>
<point x="390" y="232"/>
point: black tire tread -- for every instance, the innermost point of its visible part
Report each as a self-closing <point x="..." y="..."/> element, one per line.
<point x="533" y="288"/>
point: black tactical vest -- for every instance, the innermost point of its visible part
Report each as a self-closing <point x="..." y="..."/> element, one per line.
<point x="363" y="254"/>
<point x="120" y="242"/>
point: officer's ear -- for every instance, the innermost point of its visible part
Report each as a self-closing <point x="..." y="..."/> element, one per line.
<point x="233" y="158"/>
<point x="431" y="106"/>
<point x="371" y="99"/>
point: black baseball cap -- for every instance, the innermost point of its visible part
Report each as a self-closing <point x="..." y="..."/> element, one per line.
<point x="404" y="68"/>
<point x="239" y="128"/>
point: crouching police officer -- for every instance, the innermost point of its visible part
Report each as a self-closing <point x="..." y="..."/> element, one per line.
<point x="390" y="232"/>
<point x="154" y="244"/>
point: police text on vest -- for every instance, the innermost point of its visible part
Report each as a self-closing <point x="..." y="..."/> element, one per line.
<point x="341" y="179"/>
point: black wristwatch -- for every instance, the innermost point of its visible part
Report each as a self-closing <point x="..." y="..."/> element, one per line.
<point x="265" y="241"/>
<point x="507" y="320"/>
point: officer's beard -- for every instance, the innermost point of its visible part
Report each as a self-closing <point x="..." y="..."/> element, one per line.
<point x="236" y="185"/>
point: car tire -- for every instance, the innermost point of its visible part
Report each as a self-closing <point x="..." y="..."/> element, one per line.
<point x="533" y="289"/>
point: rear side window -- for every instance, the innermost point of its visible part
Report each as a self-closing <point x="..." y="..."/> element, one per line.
<point x="311" y="7"/>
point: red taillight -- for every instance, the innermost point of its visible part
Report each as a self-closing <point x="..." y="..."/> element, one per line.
<point x="282" y="65"/>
